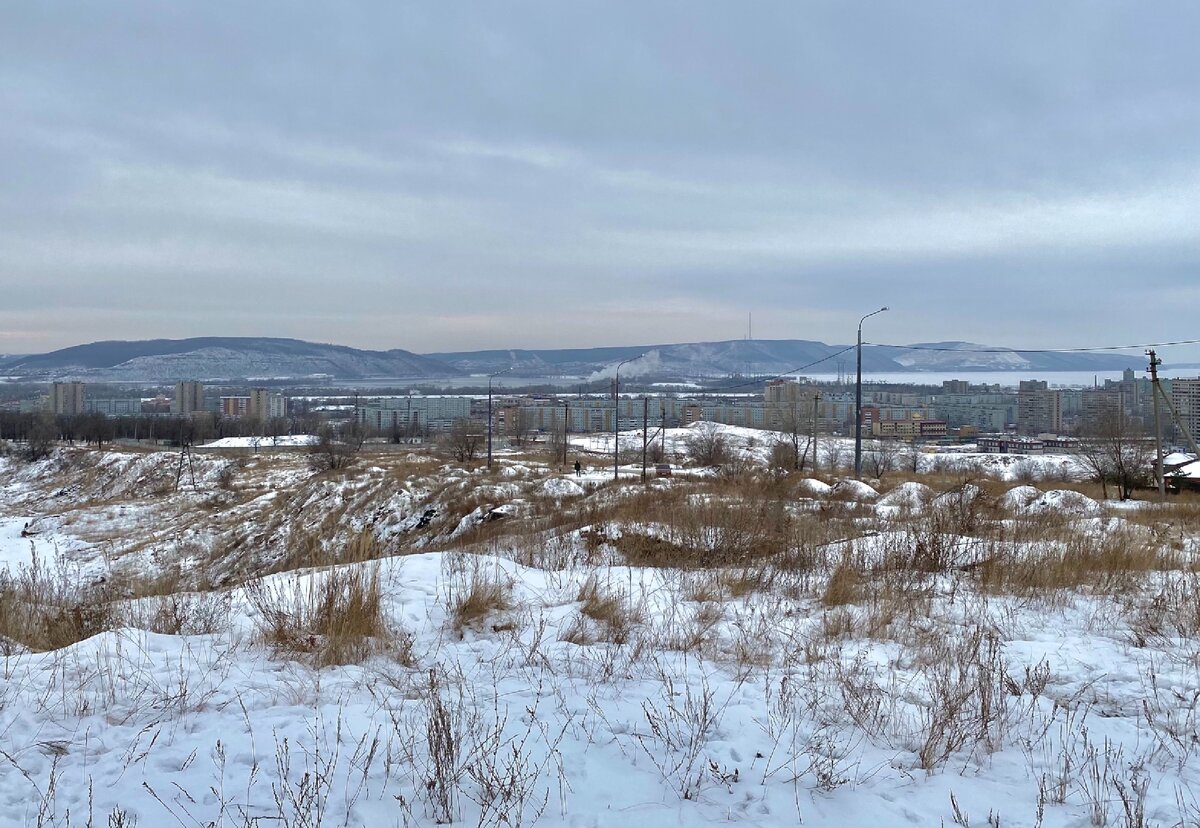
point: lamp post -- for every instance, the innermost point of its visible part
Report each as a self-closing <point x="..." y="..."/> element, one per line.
<point x="858" y="400"/>
<point x="617" y="411"/>
<point x="490" y="378"/>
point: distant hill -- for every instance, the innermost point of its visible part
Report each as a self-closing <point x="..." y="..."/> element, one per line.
<point x="220" y="358"/>
<point x="778" y="356"/>
<point x="968" y="356"/>
<point x="231" y="358"/>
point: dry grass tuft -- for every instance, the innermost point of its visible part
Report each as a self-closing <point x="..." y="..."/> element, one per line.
<point x="482" y="596"/>
<point x="335" y="617"/>
<point x="744" y="580"/>
<point x="1109" y="563"/>
<point x="845" y="585"/>
<point x="183" y="613"/>
<point x="611" y="615"/>
<point x="43" y="610"/>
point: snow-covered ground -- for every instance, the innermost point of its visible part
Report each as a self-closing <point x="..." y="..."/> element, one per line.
<point x="838" y="452"/>
<point x="283" y="441"/>
<point x="593" y="692"/>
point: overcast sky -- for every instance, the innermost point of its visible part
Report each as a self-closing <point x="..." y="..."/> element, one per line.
<point x="455" y="175"/>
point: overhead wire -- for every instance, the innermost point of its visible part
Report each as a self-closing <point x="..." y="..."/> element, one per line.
<point x="1033" y="350"/>
<point x="789" y="372"/>
<point x="947" y="349"/>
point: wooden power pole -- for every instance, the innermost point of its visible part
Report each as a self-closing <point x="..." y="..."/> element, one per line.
<point x="645" y="433"/>
<point x="816" y="400"/>
<point x="1158" y="451"/>
<point x="1187" y="434"/>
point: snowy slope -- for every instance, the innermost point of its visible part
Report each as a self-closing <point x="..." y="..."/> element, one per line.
<point x="597" y="693"/>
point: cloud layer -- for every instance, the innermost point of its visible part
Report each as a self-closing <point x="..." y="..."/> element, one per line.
<point x="453" y="176"/>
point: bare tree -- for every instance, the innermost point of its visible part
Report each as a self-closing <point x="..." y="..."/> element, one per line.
<point x="912" y="457"/>
<point x="707" y="445"/>
<point x="557" y="444"/>
<point x="96" y="428"/>
<point x="464" y="440"/>
<point x="788" y="454"/>
<point x="40" y="438"/>
<point x="882" y="457"/>
<point x="520" y="427"/>
<point x="833" y="453"/>
<point x="790" y="450"/>
<point x="275" y="428"/>
<point x="333" y="451"/>
<point x="1115" y="451"/>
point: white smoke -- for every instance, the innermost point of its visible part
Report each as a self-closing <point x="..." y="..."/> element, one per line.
<point x="648" y="363"/>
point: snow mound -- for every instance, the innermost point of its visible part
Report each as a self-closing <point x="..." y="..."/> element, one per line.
<point x="515" y="470"/>
<point x="290" y="441"/>
<point x="911" y="495"/>
<point x="561" y="487"/>
<point x="1018" y="498"/>
<point x="853" y="490"/>
<point x="1064" y="501"/>
<point x="963" y="495"/>
<point x="497" y="491"/>
<point x="814" y="486"/>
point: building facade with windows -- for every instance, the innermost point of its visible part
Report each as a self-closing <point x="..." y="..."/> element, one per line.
<point x="189" y="397"/>
<point x="411" y="414"/>
<point x="1039" y="408"/>
<point x="266" y="404"/>
<point x="1185" y="396"/>
<point x="67" y="398"/>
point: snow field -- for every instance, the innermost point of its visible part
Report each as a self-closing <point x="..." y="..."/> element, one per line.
<point x="985" y="661"/>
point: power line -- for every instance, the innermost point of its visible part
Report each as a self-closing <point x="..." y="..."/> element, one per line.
<point x="1034" y="350"/>
<point x="760" y="380"/>
<point x="781" y="375"/>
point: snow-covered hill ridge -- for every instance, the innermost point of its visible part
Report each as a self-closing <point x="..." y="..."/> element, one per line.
<point x="221" y="358"/>
<point x="260" y="357"/>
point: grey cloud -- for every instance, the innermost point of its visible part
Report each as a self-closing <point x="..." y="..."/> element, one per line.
<point x="439" y="176"/>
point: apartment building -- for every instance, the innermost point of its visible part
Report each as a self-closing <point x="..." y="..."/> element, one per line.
<point x="415" y="412"/>
<point x="235" y="406"/>
<point x="189" y="397"/>
<point x="1185" y="396"/>
<point x="265" y="404"/>
<point x="113" y="407"/>
<point x="66" y="398"/>
<point x="985" y="412"/>
<point x="1098" y="405"/>
<point x="1039" y="408"/>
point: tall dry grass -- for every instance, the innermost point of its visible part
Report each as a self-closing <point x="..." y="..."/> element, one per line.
<point x="43" y="609"/>
<point x="332" y="617"/>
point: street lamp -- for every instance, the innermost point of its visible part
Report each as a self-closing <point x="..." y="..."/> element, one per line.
<point x="617" y="410"/>
<point x="858" y="400"/>
<point x="490" y="378"/>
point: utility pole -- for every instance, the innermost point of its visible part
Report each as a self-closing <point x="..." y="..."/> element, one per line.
<point x="489" y="412"/>
<point x="1158" y="451"/>
<point x="566" y="429"/>
<point x="858" y="400"/>
<point x="645" y="433"/>
<point x="662" y="407"/>
<point x="617" y="412"/>
<point x="816" y="399"/>
<point x="1187" y="435"/>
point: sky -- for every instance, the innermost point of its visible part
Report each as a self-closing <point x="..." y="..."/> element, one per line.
<point x="447" y="176"/>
